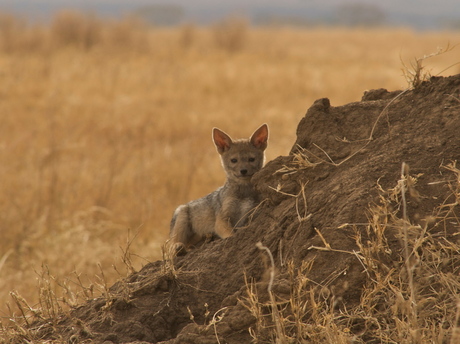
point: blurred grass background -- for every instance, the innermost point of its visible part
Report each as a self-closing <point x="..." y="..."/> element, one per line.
<point x="105" y="126"/>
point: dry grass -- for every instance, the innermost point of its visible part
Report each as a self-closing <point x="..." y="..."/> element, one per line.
<point x="416" y="73"/>
<point x="105" y="129"/>
<point x="412" y="290"/>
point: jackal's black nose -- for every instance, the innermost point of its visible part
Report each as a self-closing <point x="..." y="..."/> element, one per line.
<point x="244" y="172"/>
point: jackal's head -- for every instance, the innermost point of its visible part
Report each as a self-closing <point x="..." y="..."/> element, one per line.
<point x="241" y="158"/>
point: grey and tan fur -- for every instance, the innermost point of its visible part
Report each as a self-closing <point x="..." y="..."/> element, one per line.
<point x="225" y="209"/>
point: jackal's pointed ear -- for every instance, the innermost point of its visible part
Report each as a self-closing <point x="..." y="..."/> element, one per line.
<point x="221" y="140"/>
<point x="260" y="137"/>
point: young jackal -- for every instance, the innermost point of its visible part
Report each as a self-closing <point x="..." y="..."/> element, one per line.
<point x="227" y="208"/>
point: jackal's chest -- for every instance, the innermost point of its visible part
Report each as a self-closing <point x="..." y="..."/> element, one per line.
<point x="240" y="211"/>
<point x="246" y="205"/>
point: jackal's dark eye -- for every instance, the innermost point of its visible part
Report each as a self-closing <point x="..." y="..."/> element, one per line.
<point x="234" y="161"/>
<point x="252" y="159"/>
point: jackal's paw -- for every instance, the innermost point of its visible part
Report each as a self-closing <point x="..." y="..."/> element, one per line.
<point x="177" y="249"/>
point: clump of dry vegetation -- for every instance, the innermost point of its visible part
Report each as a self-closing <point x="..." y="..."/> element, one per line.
<point x="106" y="128"/>
<point x="416" y="72"/>
<point x="231" y="34"/>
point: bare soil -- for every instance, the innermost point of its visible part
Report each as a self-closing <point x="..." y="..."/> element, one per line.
<point x="356" y="150"/>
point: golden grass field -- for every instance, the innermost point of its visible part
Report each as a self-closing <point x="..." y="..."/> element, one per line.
<point x="105" y="127"/>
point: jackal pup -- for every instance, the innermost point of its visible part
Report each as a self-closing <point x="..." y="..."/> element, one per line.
<point x="227" y="208"/>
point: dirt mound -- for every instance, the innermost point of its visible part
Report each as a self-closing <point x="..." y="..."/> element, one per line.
<point x="320" y="218"/>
